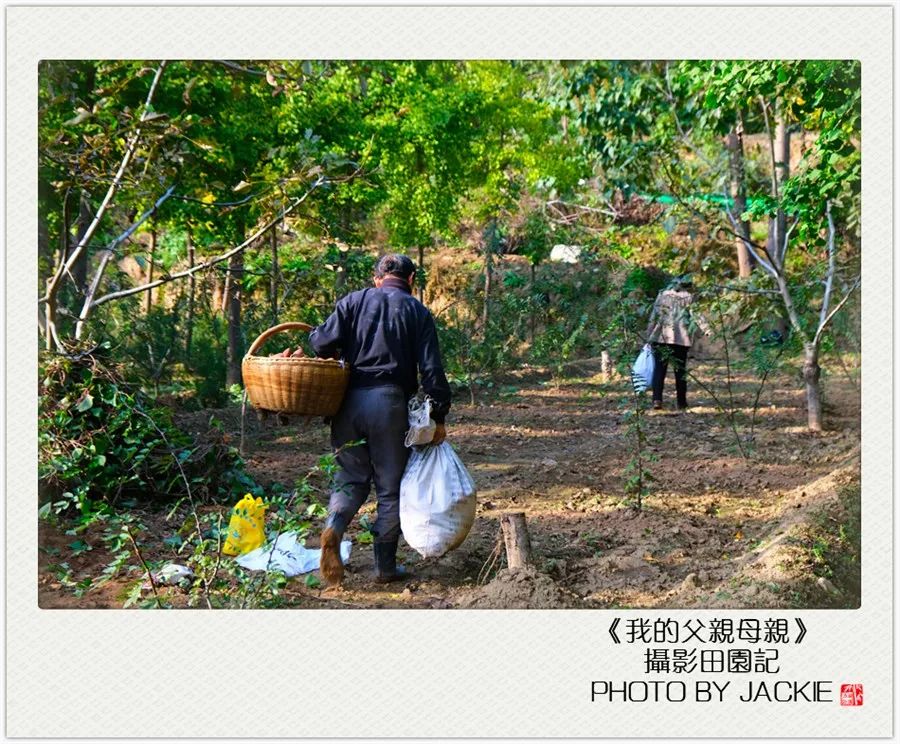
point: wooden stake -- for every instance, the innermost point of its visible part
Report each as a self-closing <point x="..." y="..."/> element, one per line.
<point x="605" y="365"/>
<point x="517" y="540"/>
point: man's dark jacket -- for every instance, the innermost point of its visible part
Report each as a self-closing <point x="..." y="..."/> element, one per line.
<point x="385" y="334"/>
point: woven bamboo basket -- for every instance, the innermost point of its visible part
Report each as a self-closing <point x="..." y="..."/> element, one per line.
<point x="302" y="386"/>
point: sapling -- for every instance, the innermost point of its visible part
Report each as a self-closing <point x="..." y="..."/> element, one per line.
<point x="638" y="477"/>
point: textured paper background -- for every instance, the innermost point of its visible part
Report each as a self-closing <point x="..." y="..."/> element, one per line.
<point x="429" y="673"/>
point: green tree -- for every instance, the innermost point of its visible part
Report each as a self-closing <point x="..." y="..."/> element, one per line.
<point x="803" y="206"/>
<point x="184" y="143"/>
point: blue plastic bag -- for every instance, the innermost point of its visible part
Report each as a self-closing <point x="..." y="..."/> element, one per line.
<point x="642" y="370"/>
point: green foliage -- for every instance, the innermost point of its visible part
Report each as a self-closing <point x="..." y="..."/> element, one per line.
<point x="101" y="440"/>
<point x="207" y="360"/>
<point x="832" y="549"/>
<point x="645" y="280"/>
<point x="491" y="156"/>
<point x="504" y="156"/>
<point x="537" y="239"/>
<point x="617" y="107"/>
<point x="152" y="343"/>
<point x="756" y="353"/>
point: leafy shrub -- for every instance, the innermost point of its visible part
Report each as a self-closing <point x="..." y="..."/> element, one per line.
<point x="208" y="360"/>
<point x="101" y="439"/>
<point x="152" y="343"/>
<point x="645" y="279"/>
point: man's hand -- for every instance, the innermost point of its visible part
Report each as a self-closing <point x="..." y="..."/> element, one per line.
<point x="440" y="434"/>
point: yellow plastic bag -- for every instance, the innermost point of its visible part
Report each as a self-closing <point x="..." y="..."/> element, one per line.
<point x="246" y="530"/>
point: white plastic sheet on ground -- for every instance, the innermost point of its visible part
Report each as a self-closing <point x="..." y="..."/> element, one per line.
<point x="289" y="556"/>
<point x="642" y="371"/>
<point x="437" y="500"/>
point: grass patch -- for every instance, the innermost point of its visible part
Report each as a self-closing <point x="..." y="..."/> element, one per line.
<point x="831" y="548"/>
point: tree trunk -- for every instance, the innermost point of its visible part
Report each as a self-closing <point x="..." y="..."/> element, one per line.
<point x="516" y="539"/>
<point x="192" y="290"/>
<point x="421" y="283"/>
<point x="217" y="292"/>
<point x="44" y="252"/>
<point x="811" y="374"/>
<point x="273" y="285"/>
<point x="50" y="322"/>
<point x="734" y="143"/>
<point x="488" y="270"/>
<point x="85" y="214"/>
<point x="532" y="319"/>
<point x="235" y="351"/>
<point x="340" y="274"/>
<point x="151" y="258"/>
<point x="80" y="267"/>
<point x="488" y="273"/>
<point x="782" y="164"/>
<point x="778" y="225"/>
<point x="65" y="234"/>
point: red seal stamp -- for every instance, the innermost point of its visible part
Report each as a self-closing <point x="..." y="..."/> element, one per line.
<point x="851" y="694"/>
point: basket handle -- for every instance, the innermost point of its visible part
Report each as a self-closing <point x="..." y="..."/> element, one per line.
<point x="265" y="335"/>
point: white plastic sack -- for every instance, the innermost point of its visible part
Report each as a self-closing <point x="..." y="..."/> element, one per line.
<point x="421" y="426"/>
<point x="642" y="370"/>
<point x="437" y="500"/>
<point x="565" y="253"/>
<point x="287" y="556"/>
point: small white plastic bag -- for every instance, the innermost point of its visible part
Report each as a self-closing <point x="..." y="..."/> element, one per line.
<point x="642" y="370"/>
<point x="437" y="500"/>
<point x="421" y="426"/>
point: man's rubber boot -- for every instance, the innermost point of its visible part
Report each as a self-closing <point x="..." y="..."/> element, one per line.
<point x="386" y="568"/>
<point x="331" y="567"/>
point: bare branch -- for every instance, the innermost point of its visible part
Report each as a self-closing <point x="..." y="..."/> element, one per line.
<point x="744" y="290"/>
<point x="782" y="254"/>
<point x="789" y="306"/>
<point x="66" y="267"/>
<point x="555" y="205"/>
<point x="685" y="136"/>
<point x="140" y="556"/>
<point x="829" y="277"/>
<point x="142" y="219"/>
<point x="238" y="203"/>
<point x="213" y="261"/>
<point x="767" y="265"/>
<point x="107" y="256"/>
<point x="234" y="66"/>
<point x="735" y="232"/>
<point x="836" y="309"/>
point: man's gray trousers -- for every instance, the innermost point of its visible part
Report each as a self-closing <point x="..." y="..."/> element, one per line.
<point x="379" y="416"/>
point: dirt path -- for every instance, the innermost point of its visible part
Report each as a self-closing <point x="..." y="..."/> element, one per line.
<point x="717" y="529"/>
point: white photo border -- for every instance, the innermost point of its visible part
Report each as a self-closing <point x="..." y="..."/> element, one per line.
<point x="454" y="673"/>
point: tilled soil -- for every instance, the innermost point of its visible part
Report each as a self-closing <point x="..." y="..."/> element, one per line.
<point x="712" y="531"/>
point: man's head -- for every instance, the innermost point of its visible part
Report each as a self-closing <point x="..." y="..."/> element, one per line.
<point x="396" y="265"/>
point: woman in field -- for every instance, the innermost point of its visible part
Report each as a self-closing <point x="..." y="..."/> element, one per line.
<point x="669" y="332"/>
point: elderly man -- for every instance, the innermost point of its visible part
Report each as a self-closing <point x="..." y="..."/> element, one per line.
<point x="389" y="340"/>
